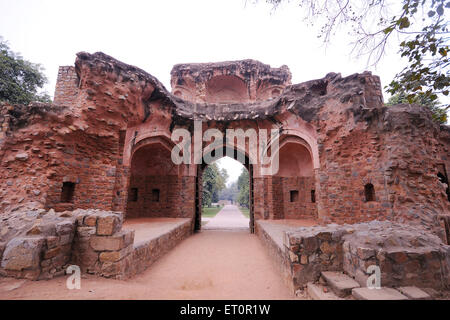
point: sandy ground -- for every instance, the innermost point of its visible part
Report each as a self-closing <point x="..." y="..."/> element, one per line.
<point x="213" y="264"/>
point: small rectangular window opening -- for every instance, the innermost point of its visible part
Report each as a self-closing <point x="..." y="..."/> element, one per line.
<point x="133" y="195"/>
<point x="313" y="196"/>
<point x="294" y="196"/>
<point x="155" y="195"/>
<point x="67" y="192"/>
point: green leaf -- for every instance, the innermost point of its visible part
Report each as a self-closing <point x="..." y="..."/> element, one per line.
<point x="403" y="23"/>
<point x="388" y="30"/>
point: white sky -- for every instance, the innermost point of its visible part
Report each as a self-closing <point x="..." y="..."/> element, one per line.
<point x="155" y="35"/>
<point x="233" y="167"/>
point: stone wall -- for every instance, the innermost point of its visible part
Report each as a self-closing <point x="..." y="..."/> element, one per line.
<point x="406" y="255"/>
<point x="278" y="254"/>
<point x="300" y="206"/>
<point x="67" y="83"/>
<point x="157" y="196"/>
<point x="37" y="244"/>
<point x="147" y="252"/>
<point x="103" y="248"/>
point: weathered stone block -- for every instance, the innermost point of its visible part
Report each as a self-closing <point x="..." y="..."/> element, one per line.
<point x="340" y="283"/>
<point x="310" y="244"/>
<point x="22" y="253"/>
<point x="108" y="225"/>
<point x="66" y="239"/>
<point x="65" y="227"/>
<point x="414" y="293"/>
<point x="128" y="237"/>
<point x="52" y="253"/>
<point x="90" y="221"/>
<point x="108" y="243"/>
<point x="52" y="242"/>
<point x="86" y="232"/>
<point x="114" y="256"/>
<point x="377" y="294"/>
<point x="318" y="292"/>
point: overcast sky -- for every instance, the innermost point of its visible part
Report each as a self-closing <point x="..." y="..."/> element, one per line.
<point x="155" y="35"/>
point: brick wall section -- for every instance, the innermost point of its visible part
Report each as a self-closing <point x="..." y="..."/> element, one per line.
<point x="88" y="163"/>
<point x="169" y="203"/>
<point x="303" y="208"/>
<point x="66" y="89"/>
<point x="349" y="163"/>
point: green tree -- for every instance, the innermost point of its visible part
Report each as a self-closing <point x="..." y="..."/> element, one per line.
<point x="419" y="27"/>
<point x="19" y="78"/>
<point x="214" y="181"/>
<point x="438" y="112"/>
<point x="243" y="183"/>
<point x="230" y="193"/>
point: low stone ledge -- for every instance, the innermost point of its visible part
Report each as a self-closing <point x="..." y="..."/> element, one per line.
<point x="277" y="251"/>
<point x="147" y="252"/>
<point x="406" y="255"/>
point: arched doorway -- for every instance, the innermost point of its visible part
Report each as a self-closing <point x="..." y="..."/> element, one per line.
<point x="154" y="189"/>
<point x="294" y="186"/>
<point x="236" y="155"/>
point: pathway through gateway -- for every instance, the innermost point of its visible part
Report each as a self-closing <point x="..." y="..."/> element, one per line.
<point x="229" y="218"/>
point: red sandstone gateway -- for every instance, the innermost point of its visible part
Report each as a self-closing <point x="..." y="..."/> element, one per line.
<point x="344" y="157"/>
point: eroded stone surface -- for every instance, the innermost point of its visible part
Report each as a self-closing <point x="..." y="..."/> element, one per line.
<point x="378" y="294"/>
<point x="319" y="292"/>
<point x="414" y="293"/>
<point x="407" y="255"/>
<point x="340" y="283"/>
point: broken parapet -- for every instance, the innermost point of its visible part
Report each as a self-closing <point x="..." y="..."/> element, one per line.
<point x="238" y="81"/>
<point x="407" y="255"/>
<point x="37" y="244"/>
<point x="67" y="84"/>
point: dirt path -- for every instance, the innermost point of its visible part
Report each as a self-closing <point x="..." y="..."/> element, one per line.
<point x="230" y="217"/>
<point x="208" y="265"/>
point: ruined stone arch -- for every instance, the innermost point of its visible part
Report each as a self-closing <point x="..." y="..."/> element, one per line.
<point x="151" y="172"/>
<point x="144" y="140"/>
<point x="294" y="136"/>
<point x="249" y="158"/>
<point x="269" y="92"/>
<point x="226" y="89"/>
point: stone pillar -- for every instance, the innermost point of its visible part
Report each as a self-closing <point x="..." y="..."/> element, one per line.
<point x="66" y="89"/>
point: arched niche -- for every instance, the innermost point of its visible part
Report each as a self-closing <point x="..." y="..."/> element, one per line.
<point x="153" y="189"/>
<point x="294" y="186"/>
<point x="226" y="89"/>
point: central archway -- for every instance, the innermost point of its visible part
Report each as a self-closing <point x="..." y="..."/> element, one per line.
<point x="236" y="155"/>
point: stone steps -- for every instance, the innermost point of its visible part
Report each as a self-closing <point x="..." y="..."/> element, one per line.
<point x="378" y="294"/>
<point x="414" y="293"/>
<point x="340" y="283"/>
<point x="339" y="286"/>
<point x="319" y="292"/>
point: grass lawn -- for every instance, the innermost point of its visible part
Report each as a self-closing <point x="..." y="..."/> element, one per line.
<point x="245" y="212"/>
<point x="210" y="212"/>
